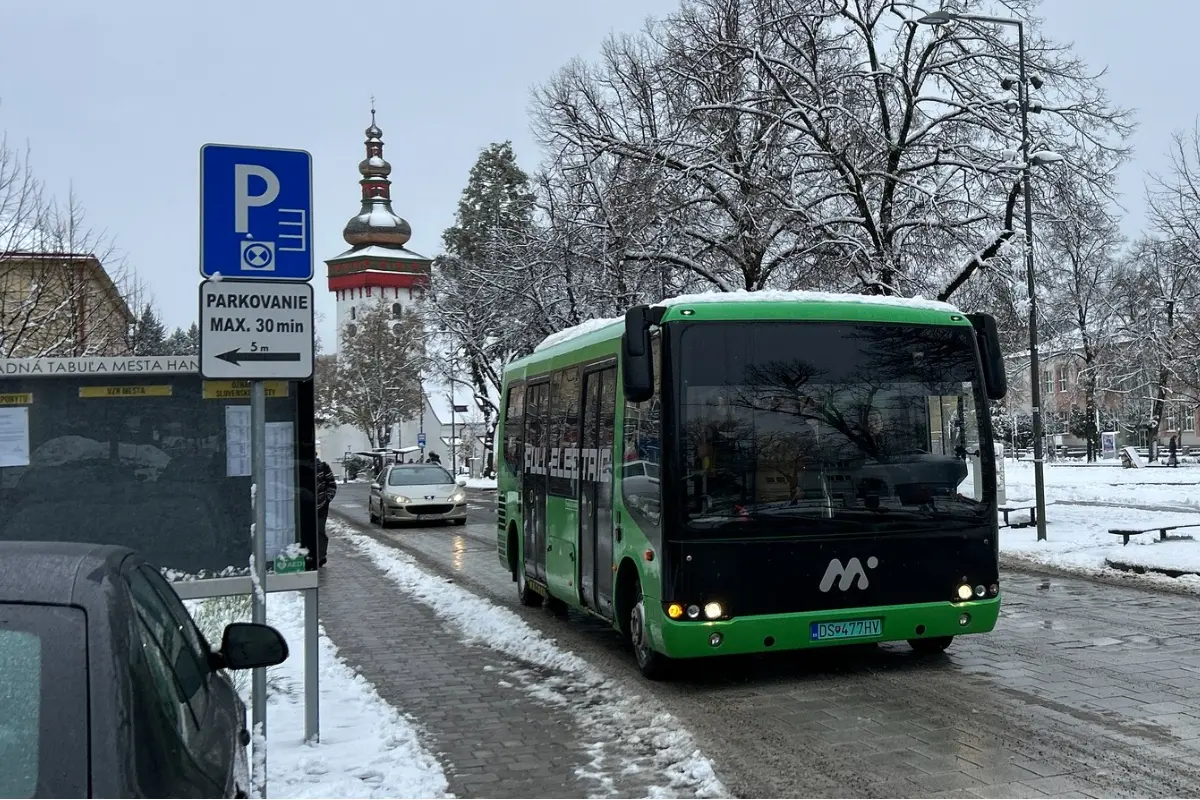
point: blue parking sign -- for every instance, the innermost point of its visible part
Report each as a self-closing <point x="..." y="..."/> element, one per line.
<point x="255" y="213"/>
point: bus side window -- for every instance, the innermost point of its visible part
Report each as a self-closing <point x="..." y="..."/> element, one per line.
<point x="563" y="445"/>
<point x="513" y="421"/>
<point x="643" y="454"/>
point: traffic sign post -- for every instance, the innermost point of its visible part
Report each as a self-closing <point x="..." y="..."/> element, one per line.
<point x="256" y="324"/>
<point x="256" y="331"/>
<point x="255" y="213"/>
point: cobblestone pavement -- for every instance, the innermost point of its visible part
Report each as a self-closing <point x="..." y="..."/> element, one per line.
<point x="1083" y="690"/>
<point x="493" y="739"/>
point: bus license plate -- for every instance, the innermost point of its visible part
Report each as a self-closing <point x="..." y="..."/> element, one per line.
<point x="846" y="629"/>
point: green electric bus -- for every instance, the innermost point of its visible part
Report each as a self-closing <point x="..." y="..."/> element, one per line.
<point x="737" y="473"/>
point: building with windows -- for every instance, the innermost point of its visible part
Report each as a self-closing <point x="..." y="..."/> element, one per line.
<point x="379" y="266"/>
<point x="1123" y="395"/>
<point x="60" y="304"/>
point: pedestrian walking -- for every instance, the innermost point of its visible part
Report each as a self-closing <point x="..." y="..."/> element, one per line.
<point x="326" y="489"/>
<point x="1171" y="460"/>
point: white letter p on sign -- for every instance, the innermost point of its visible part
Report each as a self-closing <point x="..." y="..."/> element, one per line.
<point x="243" y="201"/>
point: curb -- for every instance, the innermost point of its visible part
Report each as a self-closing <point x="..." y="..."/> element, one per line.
<point x="1145" y="581"/>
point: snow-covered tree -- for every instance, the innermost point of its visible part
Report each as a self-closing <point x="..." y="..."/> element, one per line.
<point x="184" y="343"/>
<point x="1081" y="241"/>
<point x="148" y="336"/>
<point x="478" y="301"/>
<point x="822" y="143"/>
<point x="64" y="289"/>
<point x="377" y="374"/>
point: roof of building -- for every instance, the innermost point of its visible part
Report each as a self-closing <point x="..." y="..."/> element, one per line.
<point x="380" y="252"/>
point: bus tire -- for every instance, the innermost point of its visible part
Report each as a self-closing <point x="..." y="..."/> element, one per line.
<point x="525" y="594"/>
<point x="931" y="646"/>
<point x="653" y="665"/>
<point x="557" y="607"/>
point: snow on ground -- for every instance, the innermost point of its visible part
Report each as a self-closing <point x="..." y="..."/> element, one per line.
<point x="628" y="732"/>
<point x="481" y="483"/>
<point x="367" y="748"/>
<point x="1084" y="502"/>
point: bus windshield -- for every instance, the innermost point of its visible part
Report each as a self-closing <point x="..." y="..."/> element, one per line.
<point x="829" y="427"/>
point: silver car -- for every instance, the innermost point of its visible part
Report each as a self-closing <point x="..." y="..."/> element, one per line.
<point x="417" y="493"/>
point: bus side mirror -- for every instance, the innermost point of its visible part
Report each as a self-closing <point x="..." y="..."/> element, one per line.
<point x="637" y="362"/>
<point x="988" y="339"/>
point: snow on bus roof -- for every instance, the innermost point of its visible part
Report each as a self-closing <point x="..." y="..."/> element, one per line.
<point x="774" y="296"/>
<point x="765" y="296"/>
<point x="574" y="332"/>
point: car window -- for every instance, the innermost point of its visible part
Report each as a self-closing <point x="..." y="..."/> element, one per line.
<point x="168" y="692"/>
<point x="191" y="632"/>
<point x="43" y="701"/>
<point x="418" y="476"/>
<point x="164" y="638"/>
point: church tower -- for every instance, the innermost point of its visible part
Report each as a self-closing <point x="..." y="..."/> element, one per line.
<point x="377" y="265"/>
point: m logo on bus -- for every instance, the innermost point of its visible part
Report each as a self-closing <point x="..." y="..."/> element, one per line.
<point x="853" y="570"/>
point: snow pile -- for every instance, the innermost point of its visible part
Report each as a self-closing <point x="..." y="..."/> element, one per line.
<point x="772" y="296"/>
<point x="367" y="748"/>
<point x="481" y="483"/>
<point x="631" y="733"/>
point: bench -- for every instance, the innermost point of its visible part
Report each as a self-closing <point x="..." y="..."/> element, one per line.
<point x="1125" y="533"/>
<point x="1031" y="508"/>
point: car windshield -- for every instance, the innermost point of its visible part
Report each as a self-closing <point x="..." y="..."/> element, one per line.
<point x="418" y="476"/>
<point x="847" y="426"/>
<point x="43" y="701"/>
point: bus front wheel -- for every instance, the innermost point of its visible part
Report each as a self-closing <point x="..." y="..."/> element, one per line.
<point x="931" y="646"/>
<point x="654" y="665"/>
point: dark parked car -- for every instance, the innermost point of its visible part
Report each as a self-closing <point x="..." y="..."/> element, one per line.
<point x="108" y="688"/>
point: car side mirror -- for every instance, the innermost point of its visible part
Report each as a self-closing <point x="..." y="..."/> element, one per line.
<point x="248" y="645"/>
<point x="462" y="482"/>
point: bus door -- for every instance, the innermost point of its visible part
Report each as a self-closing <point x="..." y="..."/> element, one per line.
<point x="595" y="488"/>
<point x="533" y="488"/>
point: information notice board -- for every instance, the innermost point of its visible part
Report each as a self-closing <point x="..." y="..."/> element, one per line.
<point x="143" y="452"/>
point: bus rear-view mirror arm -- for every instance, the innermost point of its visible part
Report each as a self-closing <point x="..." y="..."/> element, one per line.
<point x="988" y="339"/>
<point x="638" y="366"/>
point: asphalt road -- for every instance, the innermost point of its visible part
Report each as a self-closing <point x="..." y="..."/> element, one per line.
<point x="1084" y="689"/>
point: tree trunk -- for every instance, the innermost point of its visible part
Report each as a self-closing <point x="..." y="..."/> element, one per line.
<point x="489" y="442"/>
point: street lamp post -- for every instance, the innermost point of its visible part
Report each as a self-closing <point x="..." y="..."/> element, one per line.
<point x="1035" y="395"/>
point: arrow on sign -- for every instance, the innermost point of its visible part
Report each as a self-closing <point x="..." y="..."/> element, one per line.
<point x="236" y="357"/>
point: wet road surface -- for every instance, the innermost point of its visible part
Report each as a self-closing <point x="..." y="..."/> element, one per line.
<point x="1083" y="690"/>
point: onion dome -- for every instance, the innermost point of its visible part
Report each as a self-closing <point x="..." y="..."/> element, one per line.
<point x="376" y="222"/>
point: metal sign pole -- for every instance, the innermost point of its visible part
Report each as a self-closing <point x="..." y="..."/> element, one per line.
<point x="312" y="667"/>
<point x="258" y="568"/>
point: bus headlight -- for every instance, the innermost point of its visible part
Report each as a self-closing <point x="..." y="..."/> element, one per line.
<point x="674" y="611"/>
<point x="713" y="610"/>
<point x="980" y="591"/>
<point x="693" y="611"/>
<point x="964" y="591"/>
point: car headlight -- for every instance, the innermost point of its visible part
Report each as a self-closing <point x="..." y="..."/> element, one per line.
<point x="458" y="496"/>
<point x="399" y="498"/>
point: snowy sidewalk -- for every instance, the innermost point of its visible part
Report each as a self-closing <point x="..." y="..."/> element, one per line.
<point x="493" y="741"/>
<point x="1089" y="501"/>
<point x="367" y="748"/>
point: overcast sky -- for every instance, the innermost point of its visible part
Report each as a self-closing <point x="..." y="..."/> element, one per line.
<point x="116" y="98"/>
